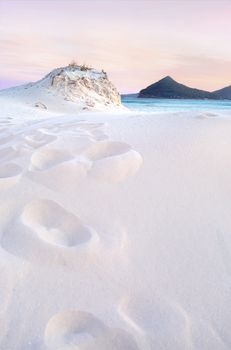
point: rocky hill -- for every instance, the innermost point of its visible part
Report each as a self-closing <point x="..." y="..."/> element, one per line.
<point x="169" y="88"/>
<point x="224" y="93"/>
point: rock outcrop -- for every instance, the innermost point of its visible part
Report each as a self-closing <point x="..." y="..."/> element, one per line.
<point x="70" y="88"/>
<point x="88" y="85"/>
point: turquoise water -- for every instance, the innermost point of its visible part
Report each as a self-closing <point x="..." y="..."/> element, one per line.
<point x="170" y="105"/>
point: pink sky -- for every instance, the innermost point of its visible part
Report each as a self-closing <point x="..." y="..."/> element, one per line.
<point x="137" y="42"/>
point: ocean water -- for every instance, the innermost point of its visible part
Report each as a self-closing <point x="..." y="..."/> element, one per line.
<point x="171" y="105"/>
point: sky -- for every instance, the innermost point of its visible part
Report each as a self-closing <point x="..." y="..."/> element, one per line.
<point x="136" y="41"/>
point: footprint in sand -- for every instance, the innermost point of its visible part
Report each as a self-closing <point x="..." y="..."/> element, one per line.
<point x="76" y="126"/>
<point x="10" y="174"/>
<point x="160" y="324"/>
<point x="57" y="169"/>
<point x="91" y="130"/>
<point x="99" y="135"/>
<point x="47" y="157"/>
<point x="39" y="139"/>
<point x="94" y="130"/>
<point x="75" y="144"/>
<point x="48" y="234"/>
<point x="80" y="330"/>
<point x="60" y="166"/>
<point x="104" y="160"/>
<point x="54" y="224"/>
<point x="72" y="157"/>
<point x="113" y="161"/>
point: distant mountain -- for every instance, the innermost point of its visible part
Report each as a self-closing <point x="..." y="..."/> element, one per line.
<point x="169" y="88"/>
<point x="224" y="93"/>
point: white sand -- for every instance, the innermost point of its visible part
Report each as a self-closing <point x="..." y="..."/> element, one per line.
<point x="115" y="231"/>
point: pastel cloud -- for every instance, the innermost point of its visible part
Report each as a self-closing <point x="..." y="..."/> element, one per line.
<point x="137" y="42"/>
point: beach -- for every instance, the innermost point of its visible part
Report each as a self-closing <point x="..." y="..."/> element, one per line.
<point x="115" y="230"/>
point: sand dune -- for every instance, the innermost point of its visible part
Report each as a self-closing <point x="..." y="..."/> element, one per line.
<point x="78" y="329"/>
<point x="54" y="224"/>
